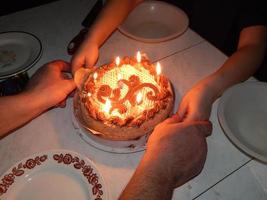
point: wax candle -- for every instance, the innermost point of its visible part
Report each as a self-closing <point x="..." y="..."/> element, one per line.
<point x="107" y="106"/>
<point x="158" y="71"/>
<point x="138" y="57"/>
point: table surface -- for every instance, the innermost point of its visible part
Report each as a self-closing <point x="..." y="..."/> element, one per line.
<point x="228" y="173"/>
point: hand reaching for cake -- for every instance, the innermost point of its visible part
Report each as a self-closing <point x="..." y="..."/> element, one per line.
<point x="48" y="87"/>
<point x="179" y="147"/>
<point x="51" y="83"/>
<point x="197" y="103"/>
<point x="106" y="22"/>
<point x="85" y="56"/>
<point x="176" y="152"/>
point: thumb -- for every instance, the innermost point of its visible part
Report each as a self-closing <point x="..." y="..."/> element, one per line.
<point x="173" y="119"/>
<point x="90" y="62"/>
<point x="69" y="86"/>
<point x="76" y="63"/>
<point x="205" y="127"/>
<point x="182" y="110"/>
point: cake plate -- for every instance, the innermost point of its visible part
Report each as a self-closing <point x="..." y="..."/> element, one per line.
<point x="121" y="147"/>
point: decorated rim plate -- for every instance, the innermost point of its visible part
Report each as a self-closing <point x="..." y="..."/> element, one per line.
<point x="155" y="21"/>
<point x="242" y="114"/>
<point x="19" y="51"/>
<point x="53" y="175"/>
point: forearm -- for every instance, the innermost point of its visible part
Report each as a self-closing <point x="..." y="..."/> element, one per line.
<point x="16" y="110"/>
<point x="114" y="12"/>
<point x="238" y="67"/>
<point x="148" y="183"/>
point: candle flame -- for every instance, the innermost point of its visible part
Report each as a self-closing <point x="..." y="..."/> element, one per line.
<point x="139" y="98"/>
<point x="95" y="75"/>
<point x="107" y="106"/>
<point x="119" y="76"/>
<point x="138" y="57"/>
<point x="89" y="94"/>
<point x="117" y="61"/>
<point x="158" y="68"/>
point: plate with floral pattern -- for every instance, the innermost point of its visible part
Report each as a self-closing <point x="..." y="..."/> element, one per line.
<point x="53" y="175"/>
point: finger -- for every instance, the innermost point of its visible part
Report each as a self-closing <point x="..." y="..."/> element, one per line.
<point x="189" y="117"/>
<point x="62" y="65"/>
<point x="173" y="119"/>
<point x="205" y="127"/>
<point x="182" y="110"/>
<point x="89" y="63"/>
<point x="76" y="63"/>
<point x="69" y="86"/>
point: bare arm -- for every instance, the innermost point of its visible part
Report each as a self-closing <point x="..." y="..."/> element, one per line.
<point x="148" y="183"/>
<point x="244" y="62"/>
<point x="47" y="88"/>
<point x="114" y="12"/>
<point x="196" y="104"/>
<point x="17" y="110"/>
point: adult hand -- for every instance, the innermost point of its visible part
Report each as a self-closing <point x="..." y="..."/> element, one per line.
<point x="51" y="84"/>
<point x="177" y="150"/>
<point x="197" y="103"/>
<point x="85" y="56"/>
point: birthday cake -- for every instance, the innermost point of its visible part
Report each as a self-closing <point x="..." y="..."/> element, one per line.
<point x="125" y="99"/>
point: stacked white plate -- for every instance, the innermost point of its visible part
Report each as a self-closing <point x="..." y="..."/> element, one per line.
<point x="242" y="114"/>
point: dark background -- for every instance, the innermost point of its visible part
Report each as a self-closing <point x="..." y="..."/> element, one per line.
<point x="11" y="6"/>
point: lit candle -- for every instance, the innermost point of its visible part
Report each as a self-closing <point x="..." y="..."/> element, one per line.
<point x="119" y="76"/>
<point x="139" y="98"/>
<point x="107" y="106"/>
<point x="117" y="61"/>
<point x="95" y="75"/>
<point x="138" y="57"/>
<point x="158" y="70"/>
<point x="135" y="110"/>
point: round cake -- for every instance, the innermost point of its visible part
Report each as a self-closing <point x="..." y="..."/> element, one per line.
<point x="125" y="99"/>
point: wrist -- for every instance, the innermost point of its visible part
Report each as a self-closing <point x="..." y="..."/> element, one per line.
<point x="91" y="38"/>
<point x="159" y="171"/>
<point x="213" y="87"/>
<point x="36" y="100"/>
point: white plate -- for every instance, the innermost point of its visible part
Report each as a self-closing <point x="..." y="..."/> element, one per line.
<point x="53" y="175"/>
<point x="242" y="113"/>
<point x="19" y="51"/>
<point x="155" y="21"/>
